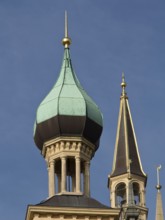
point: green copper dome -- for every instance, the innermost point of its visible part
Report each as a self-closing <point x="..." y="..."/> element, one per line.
<point x="67" y="97"/>
<point x="67" y="109"/>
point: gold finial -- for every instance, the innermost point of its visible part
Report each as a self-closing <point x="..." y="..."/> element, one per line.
<point x="158" y="186"/>
<point x="123" y="84"/>
<point x="66" y="40"/>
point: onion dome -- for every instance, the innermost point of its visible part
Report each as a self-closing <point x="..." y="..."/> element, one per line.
<point x="67" y="110"/>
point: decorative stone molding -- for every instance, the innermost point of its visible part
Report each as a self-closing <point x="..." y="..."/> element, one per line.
<point x="72" y="146"/>
<point x="66" y="213"/>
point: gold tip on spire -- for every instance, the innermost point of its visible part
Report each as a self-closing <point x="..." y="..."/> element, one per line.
<point x="66" y="40"/>
<point x="123" y="84"/>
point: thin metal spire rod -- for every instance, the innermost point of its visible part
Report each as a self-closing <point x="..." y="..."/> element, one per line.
<point x="123" y="77"/>
<point x="158" y="176"/>
<point x="123" y="85"/>
<point x="66" y="40"/>
<point x="66" y="24"/>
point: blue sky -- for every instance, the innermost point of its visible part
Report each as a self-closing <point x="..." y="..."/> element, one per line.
<point x="108" y="37"/>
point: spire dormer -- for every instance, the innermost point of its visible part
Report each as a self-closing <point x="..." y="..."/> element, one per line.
<point x="127" y="181"/>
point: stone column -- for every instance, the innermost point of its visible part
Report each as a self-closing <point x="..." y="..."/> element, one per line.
<point x="51" y="178"/>
<point x="113" y="199"/>
<point x="127" y="193"/>
<point x="142" y="199"/>
<point x="78" y="172"/>
<point x="87" y="178"/>
<point x="63" y="174"/>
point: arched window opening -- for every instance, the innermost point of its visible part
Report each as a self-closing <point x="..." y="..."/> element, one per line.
<point x="120" y="194"/>
<point x="136" y="191"/>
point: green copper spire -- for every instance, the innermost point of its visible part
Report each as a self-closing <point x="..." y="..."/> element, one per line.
<point x="67" y="110"/>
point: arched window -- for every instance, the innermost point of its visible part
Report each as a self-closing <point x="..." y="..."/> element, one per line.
<point x="120" y="194"/>
<point x="136" y="192"/>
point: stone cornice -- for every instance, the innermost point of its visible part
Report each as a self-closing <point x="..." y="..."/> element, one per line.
<point x="43" y="210"/>
<point x="63" y="146"/>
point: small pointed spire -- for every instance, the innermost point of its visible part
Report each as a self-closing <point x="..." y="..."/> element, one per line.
<point x="159" y="204"/>
<point x="126" y="156"/>
<point x="66" y="40"/>
<point x="123" y="84"/>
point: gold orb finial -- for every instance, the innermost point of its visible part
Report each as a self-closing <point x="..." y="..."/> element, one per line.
<point x="66" y="41"/>
<point x="158" y="187"/>
<point x="123" y="84"/>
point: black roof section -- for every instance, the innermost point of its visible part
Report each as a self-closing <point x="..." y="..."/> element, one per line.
<point x="72" y="201"/>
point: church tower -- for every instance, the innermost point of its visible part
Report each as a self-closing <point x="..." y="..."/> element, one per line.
<point x="127" y="181"/>
<point x="67" y="131"/>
